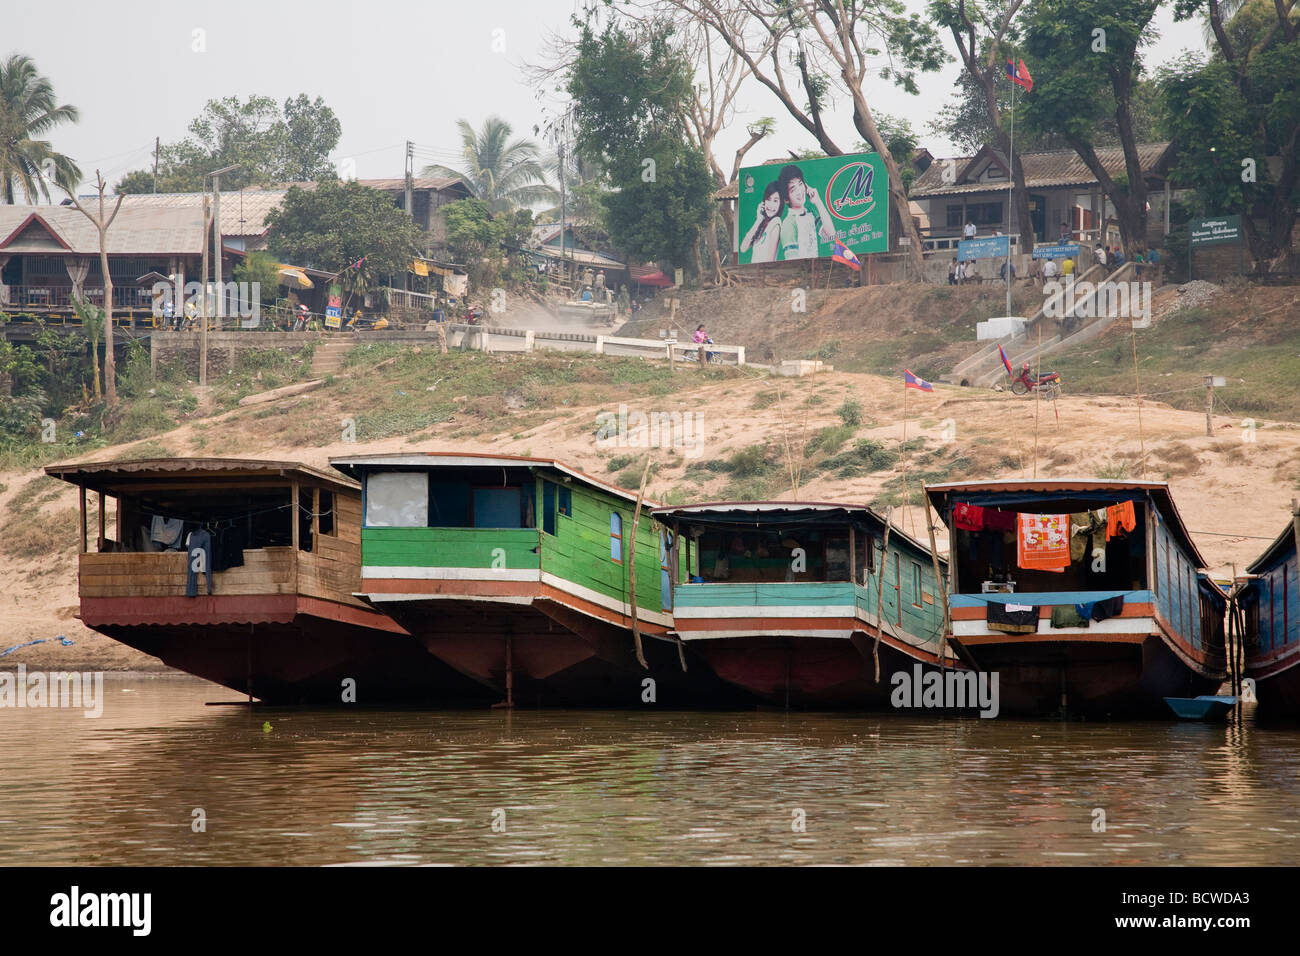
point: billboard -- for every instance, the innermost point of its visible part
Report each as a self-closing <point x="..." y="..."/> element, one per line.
<point x="798" y="210"/>
<point x="1213" y="232"/>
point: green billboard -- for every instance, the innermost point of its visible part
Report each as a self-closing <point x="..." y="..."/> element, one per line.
<point x="798" y="210"/>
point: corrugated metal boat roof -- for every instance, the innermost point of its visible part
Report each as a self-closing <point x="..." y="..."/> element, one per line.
<point x="479" y="460"/>
<point x="106" y="475"/>
<point x="1061" y="487"/>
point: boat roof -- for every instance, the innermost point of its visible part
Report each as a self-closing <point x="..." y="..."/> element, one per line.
<point x="736" y="510"/>
<point x="1276" y="551"/>
<point x="456" y="459"/>
<point x="1157" y="491"/>
<point x="112" y="476"/>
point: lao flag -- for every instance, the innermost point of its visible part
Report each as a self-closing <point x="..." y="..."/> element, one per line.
<point x="845" y="255"/>
<point x="911" y="381"/>
<point x="1020" y="75"/>
<point x="1005" y="361"/>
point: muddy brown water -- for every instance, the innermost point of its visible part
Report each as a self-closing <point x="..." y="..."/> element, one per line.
<point x="394" y="787"/>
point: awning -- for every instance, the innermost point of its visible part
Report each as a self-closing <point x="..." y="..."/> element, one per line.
<point x="653" y="278"/>
<point x="295" y="276"/>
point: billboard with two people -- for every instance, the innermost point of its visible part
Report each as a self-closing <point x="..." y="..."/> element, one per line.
<point x="797" y="211"/>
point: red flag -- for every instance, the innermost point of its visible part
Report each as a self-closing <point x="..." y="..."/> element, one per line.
<point x="1019" y="75"/>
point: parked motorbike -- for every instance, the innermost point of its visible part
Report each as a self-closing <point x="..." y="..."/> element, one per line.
<point x="1049" y="383"/>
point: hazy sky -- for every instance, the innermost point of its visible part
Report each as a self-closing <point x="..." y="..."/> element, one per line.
<point x="391" y="71"/>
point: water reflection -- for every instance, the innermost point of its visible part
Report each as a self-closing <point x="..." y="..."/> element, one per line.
<point x="403" y="787"/>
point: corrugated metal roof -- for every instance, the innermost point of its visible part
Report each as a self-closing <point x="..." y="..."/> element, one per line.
<point x="104" y="475"/>
<point x="437" y="183"/>
<point x="137" y="230"/>
<point x="1060" y="167"/>
<point x="243" y="212"/>
<point x="434" y="459"/>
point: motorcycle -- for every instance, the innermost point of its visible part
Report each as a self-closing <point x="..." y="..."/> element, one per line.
<point x="1049" y="383"/>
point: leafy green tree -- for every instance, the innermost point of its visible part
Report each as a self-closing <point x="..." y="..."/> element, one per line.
<point x="503" y="172"/>
<point x="28" y="110"/>
<point x="92" y="323"/>
<point x="631" y="91"/>
<point x="260" y="268"/>
<point x="1080" y="77"/>
<point x="1236" y="119"/>
<point x="485" y="242"/>
<point x="269" y="142"/>
<point x="334" y="225"/>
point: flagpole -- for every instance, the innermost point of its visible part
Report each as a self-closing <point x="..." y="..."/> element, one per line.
<point x="1011" y="189"/>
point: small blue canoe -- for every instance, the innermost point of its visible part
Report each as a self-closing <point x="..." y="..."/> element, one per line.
<point x="1206" y="707"/>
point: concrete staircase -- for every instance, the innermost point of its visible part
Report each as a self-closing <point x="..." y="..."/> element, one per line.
<point x="328" y="358"/>
<point x="984" y="368"/>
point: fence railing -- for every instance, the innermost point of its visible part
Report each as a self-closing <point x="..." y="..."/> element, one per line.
<point x="494" y="339"/>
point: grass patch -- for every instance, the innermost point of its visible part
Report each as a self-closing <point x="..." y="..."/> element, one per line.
<point x="828" y="440"/>
<point x="865" y="457"/>
<point x="29" y="537"/>
<point x="35" y="493"/>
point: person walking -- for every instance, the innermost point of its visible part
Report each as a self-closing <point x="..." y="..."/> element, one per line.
<point x="952" y="271"/>
<point x="1099" y="253"/>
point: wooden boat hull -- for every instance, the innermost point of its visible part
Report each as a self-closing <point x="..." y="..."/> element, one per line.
<point x="1277" y="688"/>
<point x="283" y="649"/>
<point x="541" y="652"/>
<point x="810" y="673"/>
<point x="1090" y="678"/>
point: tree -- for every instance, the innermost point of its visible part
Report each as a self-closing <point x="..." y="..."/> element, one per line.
<point x="503" y="172"/>
<point x="335" y="225"/>
<point x="92" y="323"/>
<point x="631" y="91"/>
<point x="482" y="240"/>
<point x="28" y="110"/>
<point x="270" y="143"/>
<point x="818" y="46"/>
<point x="1082" y="75"/>
<point x="261" y="271"/>
<point x="1244" y="104"/>
<point x="102" y="221"/>
<point x="982" y="52"/>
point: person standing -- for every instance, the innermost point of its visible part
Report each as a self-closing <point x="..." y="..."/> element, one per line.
<point x="969" y="231"/>
<point x="1049" y="270"/>
<point x="1067" y="270"/>
<point x="1100" y="254"/>
<point x="808" y="223"/>
<point x="952" y="271"/>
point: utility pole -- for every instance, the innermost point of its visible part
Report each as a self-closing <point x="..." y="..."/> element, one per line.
<point x="156" y="141"/>
<point x="410" y="186"/>
<point x="203" y="298"/>
<point x="559" y="150"/>
<point x="215" y="231"/>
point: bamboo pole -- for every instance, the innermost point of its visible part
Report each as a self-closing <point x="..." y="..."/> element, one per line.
<point x="880" y="590"/>
<point x="938" y="577"/>
<point x="631" y="565"/>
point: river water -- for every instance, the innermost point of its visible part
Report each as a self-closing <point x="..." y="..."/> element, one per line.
<point x="396" y="787"/>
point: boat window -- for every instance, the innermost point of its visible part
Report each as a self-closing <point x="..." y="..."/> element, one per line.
<point x="548" y="507"/>
<point x="449" y="504"/>
<point x="304" y="519"/>
<point x="616" y="536"/>
<point x="397" y="499"/>
<point x="916" y="584"/>
<point x="566" y="501"/>
<point x="325" y="520"/>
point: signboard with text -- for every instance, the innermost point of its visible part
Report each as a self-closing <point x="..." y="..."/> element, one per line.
<point x="1213" y="232"/>
<point x="798" y="210"/>
<point x="1061" y="250"/>
<point x="992" y="247"/>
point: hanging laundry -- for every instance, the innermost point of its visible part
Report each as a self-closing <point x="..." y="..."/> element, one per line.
<point x="1066" y="615"/>
<point x="1111" y="607"/>
<point x="1080" y="534"/>
<point x="968" y="517"/>
<point x="1012" y="618"/>
<point x="228" y="548"/>
<point x="998" y="520"/>
<point x="1043" y="542"/>
<point x="166" y="531"/>
<point x="1120" y="516"/>
<point x="1085" y="610"/>
<point x="198" y="558"/>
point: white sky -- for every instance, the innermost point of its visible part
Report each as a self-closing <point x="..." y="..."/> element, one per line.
<point x="391" y="71"/>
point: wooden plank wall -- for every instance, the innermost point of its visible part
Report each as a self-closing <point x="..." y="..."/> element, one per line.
<point x="332" y="570"/>
<point x="162" y="574"/>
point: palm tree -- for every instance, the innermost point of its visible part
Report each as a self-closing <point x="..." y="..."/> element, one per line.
<point x="503" y="173"/>
<point x="27" y="110"/>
